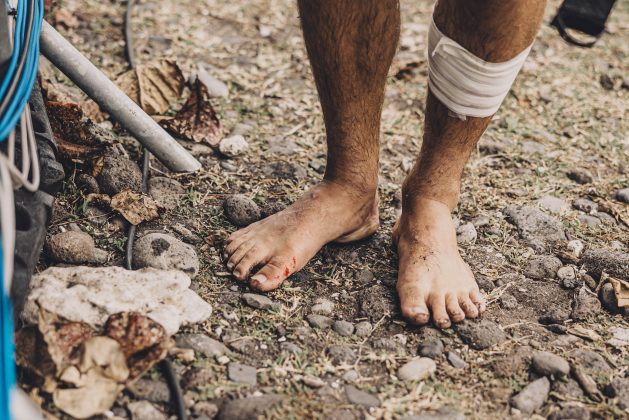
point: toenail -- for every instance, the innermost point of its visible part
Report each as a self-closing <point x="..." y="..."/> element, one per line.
<point x="230" y="266"/>
<point x="258" y="279"/>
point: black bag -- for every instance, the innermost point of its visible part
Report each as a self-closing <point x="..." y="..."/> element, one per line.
<point x="587" y="16"/>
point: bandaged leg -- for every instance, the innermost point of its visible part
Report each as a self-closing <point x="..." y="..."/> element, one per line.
<point x="475" y="56"/>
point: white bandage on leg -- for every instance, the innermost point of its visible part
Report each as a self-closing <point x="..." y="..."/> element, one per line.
<point x="464" y="83"/>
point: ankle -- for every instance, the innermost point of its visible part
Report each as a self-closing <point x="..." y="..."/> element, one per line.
<point x="417" y="195"/>
<point x="363" y="191"/>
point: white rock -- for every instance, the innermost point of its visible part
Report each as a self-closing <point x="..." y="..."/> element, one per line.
<point x="215" y="87"/>
<point x="144" y="410"/>
<point x="322" y="306"/>
<point x="233" y="146"/>
<point x="92" y="294"/>
<point x="576" y="247"/>
<point x="417" y="369"/>
<point x="466" y="233"/>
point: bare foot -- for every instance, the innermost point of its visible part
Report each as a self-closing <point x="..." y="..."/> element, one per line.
<point x="433" y="279"/>
<point x="284" y="242"/>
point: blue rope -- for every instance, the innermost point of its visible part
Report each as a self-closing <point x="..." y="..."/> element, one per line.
<point x="22" y="93"/>
<point x="7" y="348"/>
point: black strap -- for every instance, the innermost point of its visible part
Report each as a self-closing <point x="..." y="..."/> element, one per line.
<point x="562" y="29"/>
<point x="586" y="16"/>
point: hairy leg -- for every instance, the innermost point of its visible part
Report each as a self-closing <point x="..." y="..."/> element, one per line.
<point x="350" y="45"/>
<point x="433" y="278"/>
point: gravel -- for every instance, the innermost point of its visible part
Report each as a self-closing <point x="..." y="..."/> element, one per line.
<point x="417" y="369"/>
<point x="358" y="397"/>
<point x="119" y="174"/>
<point x="432" y="349"/>
<point x="553" y="204"/>
<point x="144" y="410"/>
<point x="585" y="205"/>
<point x="363" y="329"/>
<point x="240" y="373"/>
<point x="542" y="267"/>
<point x="580" y="176"/>
<point x="535" y="227"/>
<point x="343" y="328"/>
<point x="480" y="334"/>
<point x="623" y="195"/>
<point x="466" y="234"/>
<point x="322" y="306"/>
<point x="456" y="361"/>
<point x="341" y="355"/>
<point x="159" y="250"/>
<point x="259" y="301"/>
<point x="72" y="248"/>
<point x="546" y="363"/>
<point x="241" y="210"/>
<point x="613" y="262"/>
<point x="532" y="396"/>
<point x="321" y="322"/>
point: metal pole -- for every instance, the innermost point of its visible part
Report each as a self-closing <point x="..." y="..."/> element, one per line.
<point x="113" y="101"/>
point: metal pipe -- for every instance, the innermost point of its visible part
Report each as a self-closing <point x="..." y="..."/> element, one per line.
<point x="113" y="101"/>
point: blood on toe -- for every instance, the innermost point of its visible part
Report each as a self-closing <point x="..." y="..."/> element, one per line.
<point x="286" y="271"/>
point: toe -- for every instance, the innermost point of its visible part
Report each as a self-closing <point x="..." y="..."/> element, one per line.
<point x="439" y="313"/>
<point x="453" y="308"/>
<point x="231" y="246"/>
<point x="272" y="274"/>
<point x="237" y="256"/>
<point x="255" y="255"/>
<point x="478" y="299"/>
<point x="470" y="309"/>
<point x="413" y="304"/>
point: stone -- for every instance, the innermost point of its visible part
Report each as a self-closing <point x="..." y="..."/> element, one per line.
<point x="341" y="355"/>
<point x="167" y="192"/>
<point x="536" y="228"/>
<point x="233" y="146"/>
<point x="553" y="204"/>
<point x="241" y="128"/>
<point x="321" y="322"/>
<point x="71" y="247"/>
<point x="87" y="184"/>
<point x="466" y="234"/>
<point x="351" y="376"/>
<point x="363" y="329"/>
<point x="365" y="276"/>
<point x="148" y="389"/>
<point x="485" y="284"/>
<point x="584" y="305"/>
<point x="606" y="81"/>
<point x="249" y="408"/>
<point x="197" y="377"/>
<point x="201" y="343"/>
<point x="290" y="347"/>
<point x="619" y="388"/>
<point x="532" y="396"/>
<point x="542" y="267"/>
<point x="215" y="88"/>
<point x="456" y="361"/>
<point x="546" y="363"/>
<point x="417" y="369"/>
<point x="343" y="328"/>
<point x="567" y="273"/>
<point x="162" y="251"/>
<point x="240" y="373"/>
<point x="623" y="195"/>
<point x="508" y="301"/>
<point x="555" y="316"/>
<point x="588" y="220"/>
<point x="576" y="247"/>
<point x="432" y="349"/>
<point x="205" y="408"/>
<point x="260" y="301"/>
<point x="322" y="306"/>
<point x="358" y="397"/>
<point x="119" y="174"/>
<point x="92" y="294"/>
<point x="580" y="176"/>
<point x="312" y="381"/>
<point x="567" y="388"/>
<point x="95" y="215"/>
<point x="480" y="334"/>
<point x="241" y="210"/>
<point x="593" y="363"/>
<point x="585" y="205"/>
<point x="571" y="412"/>
<point x="613" y="262"/>
<point x="607" y="295"/>
<point x="443" y="413"/>
<point x="144" y="410"/>
<point x="480" y="221"/>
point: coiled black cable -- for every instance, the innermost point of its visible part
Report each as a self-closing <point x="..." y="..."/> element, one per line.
<point x="165" y="365"/>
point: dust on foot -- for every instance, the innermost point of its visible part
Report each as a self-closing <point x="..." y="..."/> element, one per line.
<point x="433" y="280"/>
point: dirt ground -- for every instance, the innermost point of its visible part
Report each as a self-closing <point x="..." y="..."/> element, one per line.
<point x="567" y="111"/>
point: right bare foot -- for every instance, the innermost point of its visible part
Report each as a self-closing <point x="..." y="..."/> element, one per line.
<point x="284" y="242"/>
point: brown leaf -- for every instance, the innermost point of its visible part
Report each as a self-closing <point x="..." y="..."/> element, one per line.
<point x="621" y="290"/>
<point x="587" y="383"/>
<point x="196" y="120"/>
<point x="153" y="86"/>
<point x="135" y="207"/>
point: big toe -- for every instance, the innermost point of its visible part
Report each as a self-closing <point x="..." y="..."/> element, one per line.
<point x="272" y="274"/>
<point x="413" y="304"/>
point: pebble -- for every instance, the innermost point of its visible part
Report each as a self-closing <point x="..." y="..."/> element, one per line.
<point x="196" y="378"/>
<point x="584" y="305"/>
<point x="619" y="388"/>
<point x="456" y="361"/>
<point x="241" y="210"/>
<point x="321" y="322"/>
<point x="567" y="273"/>
<point x="312" y="381"/>
<point x="623" y="195"/>
<point x="567" y="388"/>
<point x="237" y="372"/>
<point x="341" y="355"/>
<point x="536" y="228"/>
<point x="343" y="328"/>
<point x="365" y="276"/>
<point x="351" y="376"/>
<point x="508" y="301"/>
<point x="571" y="412"/>
<point x="322" y="306"/>
<point x="363" y="329"/>
<point x="167" y="192"/>
<point x="95" y="215"/>
<point x="119" y="174"/>
<point x="432" y="349"/>
<point x="580" y="176"/>
<point x="290" y="347"/>
<point x="201" y="343"/>
<point x="608" y="298"/>
<point x="417" y="369"/>
<point x="87" y="184"/>
<point x="241" y="129"/>
<point x="466" y="234"/>
<point x="480" y="334"/>
<point x="576" y="247"/>
<point x="542" y="267"/>
<point x="555" y="316"/>
<point x="248" y="408"/>
<point x="532" y="396"/>
<point x="546" y="363"/>
<point x="228" y="166"/>
<point x="152" y="390"/>
<point x="144" y="410"/>
<point x="588" y="220"/>
<point x="233" y="146"/>
<point x="215" y="87"/>
<point x="162" y="251"/>
<point x="480" y="221"/>
<point x="205" y="408"/>
<point x="72" y="248"/>
<point x="260" y="301"/>
<point x="585" y="205"/>
<point x="553" y="204"/>
<point x="613" y="262"/>
<point x="358" y="397"/>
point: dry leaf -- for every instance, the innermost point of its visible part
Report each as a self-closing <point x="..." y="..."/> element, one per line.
<point x="583" y="332"/>
<point x="621" y="290"/>
<point x="587" y="383"/>
<point x="196" y="120"/>
<point x="620" y="337"/>
<point x="153" y="86"/>
<point x="135" y="207"/>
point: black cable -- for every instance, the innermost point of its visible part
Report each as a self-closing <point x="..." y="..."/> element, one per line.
<point x="21" y="60"/>
<point x="167" y="368"/>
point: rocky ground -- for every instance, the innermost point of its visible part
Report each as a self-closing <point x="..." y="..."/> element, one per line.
<point x="542" y="222"/>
